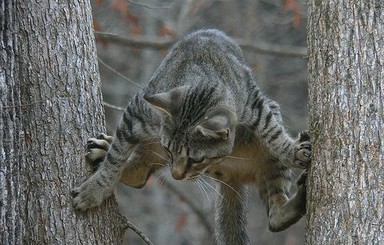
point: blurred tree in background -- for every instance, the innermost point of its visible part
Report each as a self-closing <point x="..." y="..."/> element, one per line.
<point x="133" y="37"/>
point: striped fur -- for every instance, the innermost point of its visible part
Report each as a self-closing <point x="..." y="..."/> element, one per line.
<point x="202" y="114"/>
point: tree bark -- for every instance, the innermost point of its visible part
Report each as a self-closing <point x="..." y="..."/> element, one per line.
<point x="50" y="105"/>
<point x="346" y="179"/>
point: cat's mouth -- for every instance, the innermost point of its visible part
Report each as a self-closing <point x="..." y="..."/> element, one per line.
<point x="193" y="171"/>
<point x="194" y="176"/>
<point x="191" y="174"/>
<point x="197" y="172"/>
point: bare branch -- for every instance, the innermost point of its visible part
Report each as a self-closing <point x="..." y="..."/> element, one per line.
<point x="273" y="49"/>
<point x="258" y="47"/>
<point x="119" y="74"/>
<point x="135" y="41"/>
<point x="138" y="232"/>
<point x="149" y="7"/>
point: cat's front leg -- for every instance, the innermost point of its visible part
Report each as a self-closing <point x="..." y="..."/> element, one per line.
<point x="101" y="184"/>
<point x="129" y="135"/>
<point x="92" y="191"/>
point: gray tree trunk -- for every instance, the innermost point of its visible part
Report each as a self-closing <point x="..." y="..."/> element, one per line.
<point x="346" y="65"/>
<point x="50" y="104"/>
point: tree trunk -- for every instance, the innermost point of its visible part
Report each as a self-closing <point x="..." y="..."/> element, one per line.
<point x="346" y="179"/>
<point x="50" y="105"/>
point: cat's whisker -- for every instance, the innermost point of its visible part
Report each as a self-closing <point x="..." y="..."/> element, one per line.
<point x="158" y="155"/>
<point x="201" y="187"/>
<point x="230" y="187"/>
<point x="240" y="158"/>
<point x="212" y="187"/>
<point x="222" y="161"/>
<point x="161" y="178"/>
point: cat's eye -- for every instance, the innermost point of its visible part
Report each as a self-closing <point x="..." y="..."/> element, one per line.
<point x="196" y="160"/>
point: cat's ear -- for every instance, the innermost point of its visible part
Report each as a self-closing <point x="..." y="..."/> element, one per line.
<point x="217" y="125"/>
<point x="169" y="101"/>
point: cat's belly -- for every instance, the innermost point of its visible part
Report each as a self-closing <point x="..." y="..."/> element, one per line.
<point x="246" y="164"/>
<point x="237" y="170"/>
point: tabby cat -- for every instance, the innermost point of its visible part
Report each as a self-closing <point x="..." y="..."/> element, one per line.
<point x="202" y="114"/>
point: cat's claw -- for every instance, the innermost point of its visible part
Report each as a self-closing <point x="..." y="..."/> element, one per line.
<point x="302" y="180"/>
<point x="97" y="149"/>
<point x="97" y="143"/>
<point x="92" y="192"/>
<point x="105" y="137"/>
<point x="302" y="151"/>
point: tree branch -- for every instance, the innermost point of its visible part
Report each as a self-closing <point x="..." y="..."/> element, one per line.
<point x="134" y="41"/>
<point x="149" y="7"/>
<point x="119" y="74"/>
<point x="258" y="47"/>
<point x="138" y="232"/>
<point x="273" y="49"/>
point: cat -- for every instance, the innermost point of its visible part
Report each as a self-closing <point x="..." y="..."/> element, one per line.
<point x="202" y="114"/>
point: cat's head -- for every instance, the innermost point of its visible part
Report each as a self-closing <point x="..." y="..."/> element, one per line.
<point x="197" y="127"/>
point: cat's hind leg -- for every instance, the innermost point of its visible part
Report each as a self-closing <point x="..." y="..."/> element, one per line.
<point x="284" y="211"/>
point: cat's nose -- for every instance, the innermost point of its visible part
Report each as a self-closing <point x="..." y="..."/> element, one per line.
<point x="179" y="169"/>
<point x="178" y="174"/>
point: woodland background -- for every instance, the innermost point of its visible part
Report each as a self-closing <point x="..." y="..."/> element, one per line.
<point x="132" y="39"/>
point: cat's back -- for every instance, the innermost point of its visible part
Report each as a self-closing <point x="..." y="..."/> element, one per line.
<point x="211" y="42"/>
<point x="203" y="56"/>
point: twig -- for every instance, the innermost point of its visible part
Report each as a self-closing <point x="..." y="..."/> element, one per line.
<point x="273" y="49"/>
<point x="147" y="6"/>
<point x="135" y="41"/>
<point x="138" y="232"/>
<point x="119" y="74"/>
<point x="259" y="47"/>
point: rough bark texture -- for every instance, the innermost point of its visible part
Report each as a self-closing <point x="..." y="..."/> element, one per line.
<point x="346" y="180"/>
<point x="50" y="104"/>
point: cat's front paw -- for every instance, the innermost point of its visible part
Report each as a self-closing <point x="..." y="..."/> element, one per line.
<point x="90" y="193"/>
<point x="302" y="151"/>
<point x="97" y="149"/>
